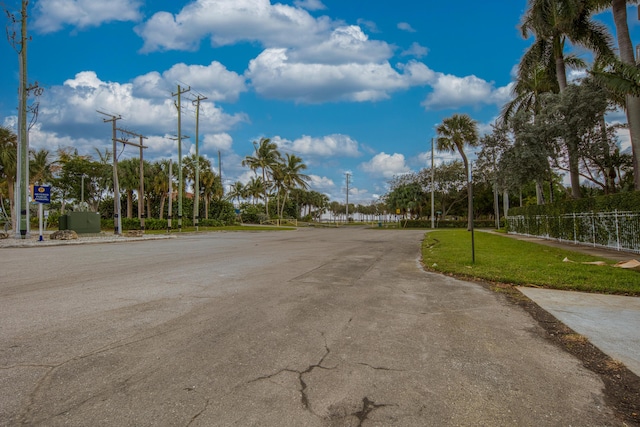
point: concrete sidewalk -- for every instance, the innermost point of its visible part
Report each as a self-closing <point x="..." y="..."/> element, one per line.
<point x="610" y="322"/>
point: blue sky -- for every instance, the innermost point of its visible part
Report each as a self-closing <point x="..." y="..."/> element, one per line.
<point x="348" y="85"/>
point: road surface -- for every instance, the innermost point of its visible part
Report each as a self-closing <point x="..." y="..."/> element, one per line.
<point x="329" y="327"/>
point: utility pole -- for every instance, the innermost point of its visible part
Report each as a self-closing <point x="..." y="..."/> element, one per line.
<point x="21" y="191"/>
<point x="117" y="208"/>
<point x="220" y="171"/>
<point x="433" y="201"/>
<point x="196" y="191"/>
<point x="347" y="206"/>
<point x="117" y="221"/>
<point x="170" y="197"/>
<point x="179" y="107"/>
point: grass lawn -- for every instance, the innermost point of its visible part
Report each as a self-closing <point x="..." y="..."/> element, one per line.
<point x="505" y="260"/>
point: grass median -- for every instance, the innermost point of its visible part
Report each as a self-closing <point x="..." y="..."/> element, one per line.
<point x="502" y="259"/>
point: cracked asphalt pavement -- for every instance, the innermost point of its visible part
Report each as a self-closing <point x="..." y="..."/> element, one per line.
<point x="330" y="327"/>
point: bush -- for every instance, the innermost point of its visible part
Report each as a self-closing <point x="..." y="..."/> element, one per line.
<point x="624" y="202"/>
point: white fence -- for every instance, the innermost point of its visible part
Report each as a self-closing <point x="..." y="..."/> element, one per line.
<point x="613" y="230"/>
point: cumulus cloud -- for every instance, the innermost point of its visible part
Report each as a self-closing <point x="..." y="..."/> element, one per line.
<point x="328" y="146"/>
<point x="386" y="165"/>
<point x="52" y="15"/>
<point x="230" y="21"/>
<point x="406" y="27"/>
<point x="310" y="4"/>
<point x="213" y="80"/>
<point x="273" y="75"/>
<point x="452" y="92"/>
<point x="73" y="106"/>
<point x="321" y="183"/>
<point x="416" y="50"/>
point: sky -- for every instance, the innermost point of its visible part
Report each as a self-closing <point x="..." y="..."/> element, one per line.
<point x="352" y="87"/>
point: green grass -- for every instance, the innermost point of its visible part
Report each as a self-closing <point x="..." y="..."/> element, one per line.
<point x="505" y="260"/>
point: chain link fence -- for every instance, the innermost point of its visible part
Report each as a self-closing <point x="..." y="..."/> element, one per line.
<point x="612" y="230"/>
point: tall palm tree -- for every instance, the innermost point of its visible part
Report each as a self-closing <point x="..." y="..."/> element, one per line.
<point x="266" y="157"/>
<point x="625" y="49"/>
<point x="553" y="23"/>
<point x="8" y="167"/>
<point x="454" y="133"/>
<point x="160" y="182"/>
<point x="292" y="177"/>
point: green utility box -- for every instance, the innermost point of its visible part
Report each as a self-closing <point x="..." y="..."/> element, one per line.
<point x="80" y="222"/>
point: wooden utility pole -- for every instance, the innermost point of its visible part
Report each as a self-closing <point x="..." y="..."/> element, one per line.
<point x="196" y="185"/>
<point x="117" y="208"/>
<point x="180" y="190"/>
<point x="169" y="216"/>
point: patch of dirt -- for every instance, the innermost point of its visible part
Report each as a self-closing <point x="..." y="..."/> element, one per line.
<point x="622" y="387"/>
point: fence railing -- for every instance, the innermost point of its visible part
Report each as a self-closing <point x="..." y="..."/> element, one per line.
<point x="612" y="230"/>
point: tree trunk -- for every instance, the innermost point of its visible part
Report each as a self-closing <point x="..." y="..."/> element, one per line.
<point x="129" y="204"/>
<point x="505" y="203"/>
<point x="539" y="192"/>
<point x="162" y="200"/>
<point x="625" y="46"/>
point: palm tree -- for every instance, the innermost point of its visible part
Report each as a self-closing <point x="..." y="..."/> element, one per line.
<point x="210" y="186"/>
<point x="453" y="134"/>
<point x="160" y="182"/>
<point x="266" y="158"/>
<point x="129" y="180"/>
<point x="236" y="192"/>
<point x="625" y="49"/>
<point x="41" y="167"/>
<point x="553" y="23"/>
<point x="8" y="167"/>
<point x="254" y="189"/>
<point x="292" y="177"/>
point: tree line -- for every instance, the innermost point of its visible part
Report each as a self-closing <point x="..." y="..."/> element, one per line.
<point x="551" y="126"/>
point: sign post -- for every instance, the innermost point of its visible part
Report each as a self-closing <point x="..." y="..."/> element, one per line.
<point x="41" y="195"/>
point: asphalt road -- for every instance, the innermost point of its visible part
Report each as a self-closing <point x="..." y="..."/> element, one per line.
<point x="332" y="327"/>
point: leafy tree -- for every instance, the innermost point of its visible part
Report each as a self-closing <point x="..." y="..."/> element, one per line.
<point x="553" y="23"/>
<point x="8" y="168"/>
<point x="454" y="133"/>
<point x="626" y="54"/>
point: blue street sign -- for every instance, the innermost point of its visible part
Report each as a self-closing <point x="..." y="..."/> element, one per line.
<point x="42" y="193"/>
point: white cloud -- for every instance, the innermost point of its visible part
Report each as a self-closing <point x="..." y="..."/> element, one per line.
<point x="404" y="26"/>
<point x="416" y="50"/>
<point x="213" y="80"/>
<point x="328" y="146"/>
<point x="386" y="165"/>
<point x="321" y="183"/>
<point x="273" y="75"/>
<point x="231" y="21"/>
<point x="310" y="4"/>
<point x="52" y="15"/>
<point x="73" y="106"/>
<point x="452" y="92"/>
<point x="218" y="141"/>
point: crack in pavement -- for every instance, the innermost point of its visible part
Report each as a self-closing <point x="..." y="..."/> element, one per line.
<point x="206" y="406"/>
<point x="368" y="406"/>
<point x="304" y="398"/>
<point x="380" y="368"/>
